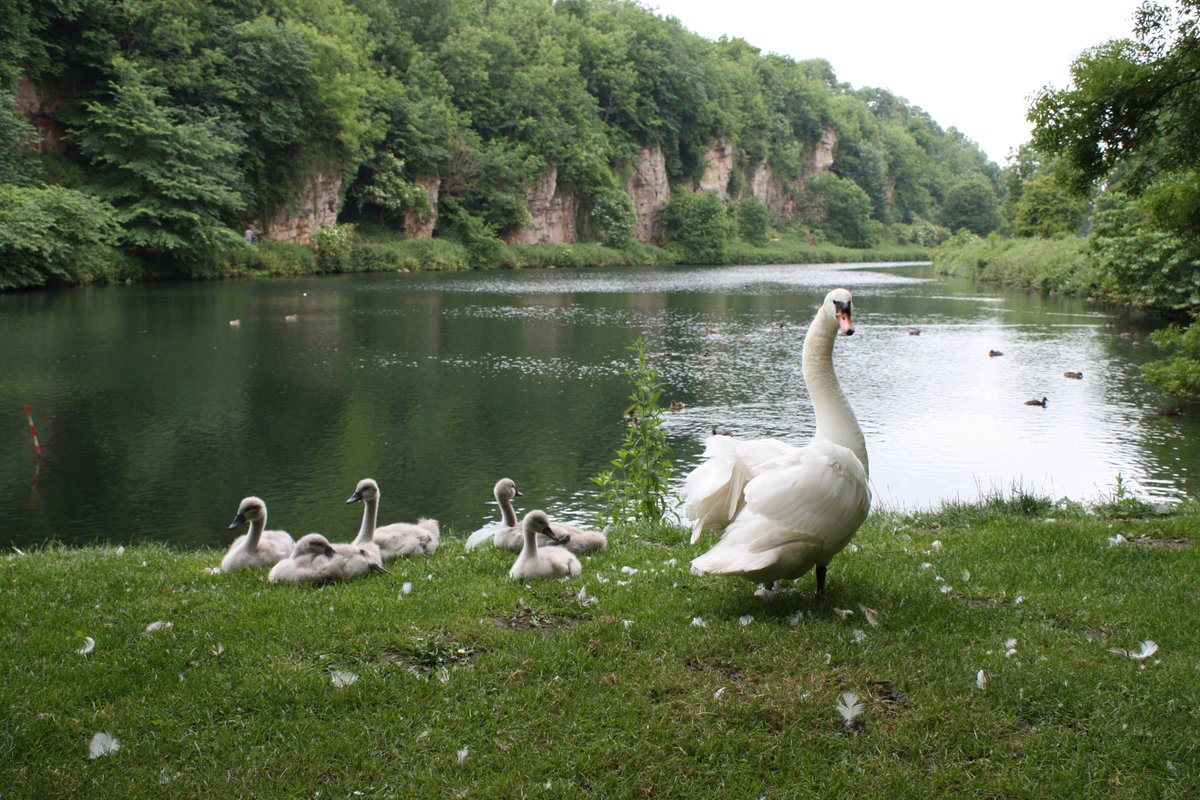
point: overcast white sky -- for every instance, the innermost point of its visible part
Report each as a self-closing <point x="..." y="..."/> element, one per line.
<point x="971" y="65"/>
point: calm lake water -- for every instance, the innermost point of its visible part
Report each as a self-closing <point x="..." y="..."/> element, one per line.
<point x="156" y="416"/>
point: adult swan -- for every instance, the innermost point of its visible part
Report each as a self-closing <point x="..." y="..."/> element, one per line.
<point x="785" y="509"/>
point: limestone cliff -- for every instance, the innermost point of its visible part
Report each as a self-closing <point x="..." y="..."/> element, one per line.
<point x="553" y="217"/>
<point x="718" y="168"/>
<point x="420" y="224"/>
<point x="315" y="206"/>
<point x="650" y="192"/>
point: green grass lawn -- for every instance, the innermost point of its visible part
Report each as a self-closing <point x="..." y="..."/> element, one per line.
<point x="656" y="683"/>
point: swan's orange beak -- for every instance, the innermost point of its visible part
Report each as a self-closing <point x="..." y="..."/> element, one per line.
<point x="845" y="323"/>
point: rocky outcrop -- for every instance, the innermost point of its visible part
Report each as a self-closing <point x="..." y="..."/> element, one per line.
<point x="316" y="207"/>
<point x="718" y="168"/>
<point x="39" y="110"/>
<point x="782" y="198"/>
<point x="650" y="192"/>
<point x="420" y="224"/>
<point x="553" y="217"/>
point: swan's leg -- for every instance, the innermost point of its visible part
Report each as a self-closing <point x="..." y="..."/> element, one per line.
<point x="820" y="580"/>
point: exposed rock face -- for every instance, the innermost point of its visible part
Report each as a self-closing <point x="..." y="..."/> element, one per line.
<point x="420" y="225"/>
<point x="775" y="195"/>
<point x="822" y="157"/>
<point x="316" y="207"/>
<point x="650" y="192"/>
<point x="552" y="216"/>
<point x="40" y="111"/>
<point x="781" y="198"/>
<point x="718" y="168"/>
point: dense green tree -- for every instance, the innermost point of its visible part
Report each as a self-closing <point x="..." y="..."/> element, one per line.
<point x="173" y="182"/>
<point x="971" y="204"/>
<point x="754" y="221"/>
<point x="697" y="227"/>
<point x="1045" y="208"/>
<point x="847" y="210"/>
<point x="54" y="235"/>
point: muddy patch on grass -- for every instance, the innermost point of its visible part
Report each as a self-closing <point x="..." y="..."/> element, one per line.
<point x="431" y="657"/>
<point x="1160" y="544"/>
<point x="531" y="619"/>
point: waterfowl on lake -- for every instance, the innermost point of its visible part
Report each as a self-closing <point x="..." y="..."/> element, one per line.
<point x="315" y="560"/>
<point x="994" y="353"/>
<point x="1170" y="411"/>
<point x="259" y="547"/>
<point x="785" y="509"/>
<point x="1041" y="402"/>
<point x="716" y="432"/>
<point x="676" y="405"/>
<point x="1076" y="375"/>
<point x="542" y="562"/>
<point x="290" y="318"/>
<point x="397" y="540"/>
<point x="233" y="323"/>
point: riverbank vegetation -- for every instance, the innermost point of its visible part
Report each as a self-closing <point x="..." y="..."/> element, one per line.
<point x="1106" y="193"/>
<point x="1014" y="647"/>
<point x="144" y="140"/>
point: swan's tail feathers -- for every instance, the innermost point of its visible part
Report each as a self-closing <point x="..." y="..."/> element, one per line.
<point x="714" y="492"/>
<point x="480" y="536"/>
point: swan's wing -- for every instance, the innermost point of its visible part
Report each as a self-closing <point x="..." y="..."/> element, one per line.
<point x="818" y="490"/>
<point x="714" y="490"/>
<point x="482" y="535"/>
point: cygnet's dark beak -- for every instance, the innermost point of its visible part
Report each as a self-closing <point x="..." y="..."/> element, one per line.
<point x="354" y="498"/>
<point x="238" y="520"/>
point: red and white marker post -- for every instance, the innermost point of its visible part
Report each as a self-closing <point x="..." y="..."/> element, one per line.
<point x="37" y="448"/>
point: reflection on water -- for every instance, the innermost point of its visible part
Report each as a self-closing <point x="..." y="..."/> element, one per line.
<point x="156" y="416"/>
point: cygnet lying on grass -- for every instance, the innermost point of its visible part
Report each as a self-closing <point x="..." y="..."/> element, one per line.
<point x="259" y="547"/>
<point x="397" y="540"/>
<point x="542" y="562"/>
<point x="315" y="560"/>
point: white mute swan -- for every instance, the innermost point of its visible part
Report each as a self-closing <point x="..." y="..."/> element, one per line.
<point x="398" y="540"/>
<point x="508" y="534"/>
<point x="315" y="560"/>
<point x="785" y="509"/>
<point x="259" y="547"/>
<point x="542" y="562"/>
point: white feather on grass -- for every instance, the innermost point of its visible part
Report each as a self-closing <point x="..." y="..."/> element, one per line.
<point x="1116" y="541"/>
<point x="717" y="694"/>
<point x="341" y="679"/>
<point x="697" y="622"/>
<point x="89" y="644"/>
<point x="859" y="636"/>
<point x="745" y="620"/>
<point x="843" y="613"/>
<point x="981" y="679"/>
<point x="463" y="753"/>
<point x="102" y="744"/>
<point x="586" y="599"/>
<point x="1149" y="648"/>
<point x="849" y="707"/>
<point x="870" y="615"/>
<point x="158" y="625"/>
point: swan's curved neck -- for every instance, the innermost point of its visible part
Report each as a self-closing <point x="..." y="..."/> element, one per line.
<point x="530" y="548"/>
<point x="506" y="511"/>
<point x="256" y="528"/>
<point x="366" y="531"/>
<point x="835" y="419"/>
